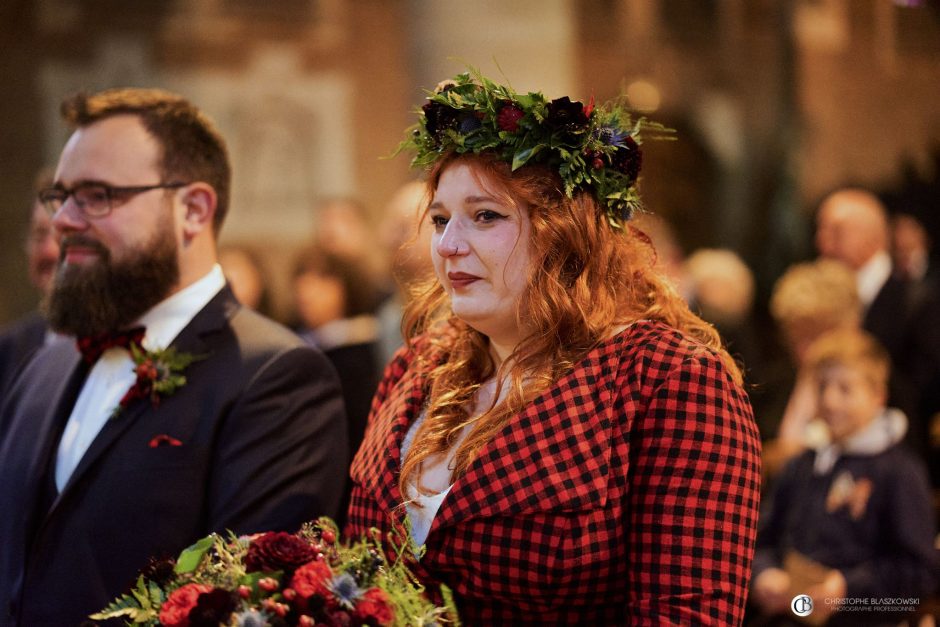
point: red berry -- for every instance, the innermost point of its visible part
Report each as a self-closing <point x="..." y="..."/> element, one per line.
<point x="328" y="536"/>
<point x="598" y="163"/>
<point x="280" y="609"/>
<point x="289" y="594"/>
<point x="305" y="621"/>
<point x="268" y="584"/>
<point x="244" y="591"/>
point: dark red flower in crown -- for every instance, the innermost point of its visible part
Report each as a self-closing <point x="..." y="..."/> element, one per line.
<point x="567" y="116"/>
<point x="374" y="607"/>
<point x="278" y="551"/>
<point x="175" y="610"/>
<point x="628" y="158"/>
<point x="439" y="118"/>
<point x="508" y="118"/>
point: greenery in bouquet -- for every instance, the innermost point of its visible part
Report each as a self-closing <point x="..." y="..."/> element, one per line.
<point x="280" y="579"/>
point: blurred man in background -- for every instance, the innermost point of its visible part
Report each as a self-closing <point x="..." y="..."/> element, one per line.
<point x="852" y="227"/>
<point x="23" y="337"/>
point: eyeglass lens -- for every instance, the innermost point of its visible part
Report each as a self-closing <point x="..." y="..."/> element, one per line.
<point x="90" y="199"/>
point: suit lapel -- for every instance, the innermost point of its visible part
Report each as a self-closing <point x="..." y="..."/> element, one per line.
<point x="49" y="429"/>
<point x="192" y="339"/>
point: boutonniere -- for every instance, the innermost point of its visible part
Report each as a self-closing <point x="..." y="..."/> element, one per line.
<point x="849" y="492"/>
<point x="159" y="374"/>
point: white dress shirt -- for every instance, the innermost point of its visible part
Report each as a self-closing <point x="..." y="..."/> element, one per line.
<point x="422" y="508"/>
<point x="872" y="276"/>
<point x="113" y="374"/>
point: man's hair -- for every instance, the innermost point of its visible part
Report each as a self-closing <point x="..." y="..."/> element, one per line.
<point x="192" y="148"/>
<point x="850" y="348"/>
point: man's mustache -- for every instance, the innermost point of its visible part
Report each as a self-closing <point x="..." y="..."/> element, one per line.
<point x="82" y="241"/>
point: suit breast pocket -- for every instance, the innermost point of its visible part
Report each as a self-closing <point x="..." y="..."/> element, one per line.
<point x="168" y="458"/>
<point x="160" y="460"/>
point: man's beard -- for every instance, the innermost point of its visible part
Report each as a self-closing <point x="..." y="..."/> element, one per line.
<point x="110" y="295"/>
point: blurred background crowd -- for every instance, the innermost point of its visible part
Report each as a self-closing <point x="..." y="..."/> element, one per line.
<point x="776" y="104"/>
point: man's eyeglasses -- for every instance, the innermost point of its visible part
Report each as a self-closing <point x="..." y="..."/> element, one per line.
<point x="95" y="200"/>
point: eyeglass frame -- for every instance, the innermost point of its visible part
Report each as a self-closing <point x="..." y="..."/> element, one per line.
<point x="109" y="190"/>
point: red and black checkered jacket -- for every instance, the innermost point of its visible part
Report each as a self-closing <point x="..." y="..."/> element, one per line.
<point x="627" y="493"/>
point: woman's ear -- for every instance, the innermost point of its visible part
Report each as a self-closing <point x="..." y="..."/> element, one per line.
<point x="199" y="201"/>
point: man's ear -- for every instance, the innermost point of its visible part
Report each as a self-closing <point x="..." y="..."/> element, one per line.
<point x="882" y="395"/>
<point x="199" y="200"/>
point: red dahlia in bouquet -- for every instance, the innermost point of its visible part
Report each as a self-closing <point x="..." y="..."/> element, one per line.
<point x="281" y="579"/>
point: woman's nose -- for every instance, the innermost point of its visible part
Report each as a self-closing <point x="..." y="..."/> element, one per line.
<point x="451" y="242"/>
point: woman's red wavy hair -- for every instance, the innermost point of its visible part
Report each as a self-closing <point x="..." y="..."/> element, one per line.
<point x="585" y="281"/>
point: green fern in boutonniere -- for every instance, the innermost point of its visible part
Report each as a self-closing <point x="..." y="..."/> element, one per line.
<point x="159" y="373"/>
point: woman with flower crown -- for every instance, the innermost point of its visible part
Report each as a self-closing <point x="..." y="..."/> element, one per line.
<point x="561" y="437"/>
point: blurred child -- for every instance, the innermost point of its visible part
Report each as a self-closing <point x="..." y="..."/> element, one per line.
<point x="809" y="300"/>
<point x="853" y="518"/>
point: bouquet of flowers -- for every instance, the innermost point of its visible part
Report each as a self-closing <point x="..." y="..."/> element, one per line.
<point x="281" y="579"/>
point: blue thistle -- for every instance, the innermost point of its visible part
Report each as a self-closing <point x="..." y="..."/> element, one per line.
<point x="251" y="618"/>
<point x="468" y="124"/>
<point x="346" y="590"/>
<point x="612" y="136"/>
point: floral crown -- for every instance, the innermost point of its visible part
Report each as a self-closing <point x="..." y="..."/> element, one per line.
<point x="592" y="148"/>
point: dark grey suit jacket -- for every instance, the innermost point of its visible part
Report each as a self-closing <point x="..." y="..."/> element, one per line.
<point x="263" y="447"/>
<point x="18" y="342"/>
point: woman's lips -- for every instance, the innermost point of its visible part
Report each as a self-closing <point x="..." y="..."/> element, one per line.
<point x="461" y="279"/>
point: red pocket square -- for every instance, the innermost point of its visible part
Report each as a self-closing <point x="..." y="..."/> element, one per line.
<point x="164" y="440"/>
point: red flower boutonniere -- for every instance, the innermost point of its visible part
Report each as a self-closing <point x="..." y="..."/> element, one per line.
<point x="159" y="374"/>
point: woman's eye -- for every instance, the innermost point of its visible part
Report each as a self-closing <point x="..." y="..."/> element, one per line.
<point x="439" y="221"/>
<point x="488" y="215"/>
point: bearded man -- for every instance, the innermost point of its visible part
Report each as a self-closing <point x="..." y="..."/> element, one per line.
<point x="179" y="412"/>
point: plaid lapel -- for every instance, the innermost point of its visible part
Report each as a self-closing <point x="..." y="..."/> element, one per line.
<point x="554" y="455"/>
<point x="376" y="466"/>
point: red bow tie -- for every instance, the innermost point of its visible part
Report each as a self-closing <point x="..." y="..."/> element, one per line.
<point x="91" y="346"/>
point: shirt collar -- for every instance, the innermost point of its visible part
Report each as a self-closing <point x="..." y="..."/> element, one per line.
<point x="872" y="276"/>
<point x="886" y="430"/>
<point x="166" y="319"/>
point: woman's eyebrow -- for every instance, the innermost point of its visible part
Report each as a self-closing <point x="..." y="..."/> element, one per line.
<point x="469" y="200"/>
